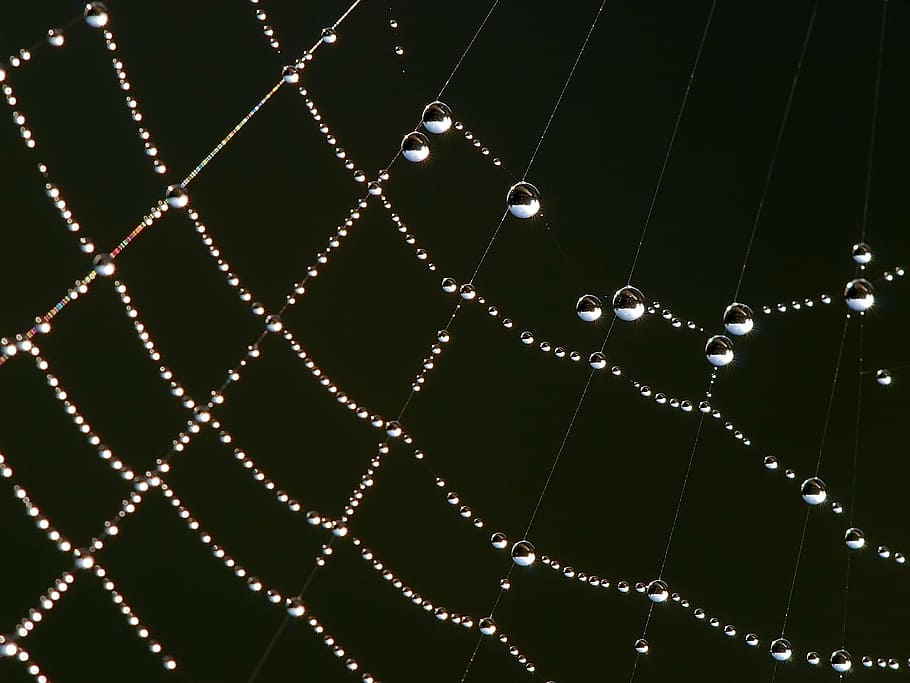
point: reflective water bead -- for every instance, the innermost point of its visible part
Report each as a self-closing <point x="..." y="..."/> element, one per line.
<point x="861" y="253"/>
<point x="499" y="540"/>
<point x="841" y="661"/>
<point x="437" y="117"/>
<point x="813" y="658"/>
<point x="523" y="553"/>
<point x="55" y="37"/>
<point x="296" y="607"/>
<point x="813" y="491"/>
<point x="658" y="591"/>
<point x="449" y="285"/>
<point x="738" y="319"/>
<point x="467" y="292"/>
<point x="719" y="350"/>
<point x="883" y="377"/>
<point x="781" y="650"/>
<point x="628" y="303"/>
<point x="641" y="646"/>
<point x="523" y="200"/>
<point x="588" y="308"/>
<point x="176" y="197"/>
<point x="415" y="147"/>
<point x="290" y="75"/>
<point x="487" y="626"/>
<point x="329" y="36"/>
<point x="104" y="265"/>
<point x="95" y="14"/>
<point x="273" y="323"/>
<point x="597" y="360"/>
<point x="859" y="294"/>
<point x="374" y="188"/>
<point x="751" y="640"/>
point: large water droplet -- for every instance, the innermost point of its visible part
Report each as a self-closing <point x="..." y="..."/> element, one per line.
<point x="95" y="14"/>
<point x="859" y="294"/>
<point x="841" y="661"/>
<point x="854" y="538"/>
<point x="628" y="303"/>
<point x="883" y="377"/>
<point x="597" y="360"/>
<point x="104" y="265"/>
<point x="329" y="36"/>
<point x="523" y="554"/>
<point x="813" y="491"/>
<point x="861" y="253"/>
<point x="176" y="197"/>
<point x="641" y="646"/>
<point x="781" y="650"/>
<point x="437" y="117"/>
<point x="523" y="200"/>
<point x="658" y="591"/>
<point x="719" y="350"/>
<point x="487" y="626"/>
<point x="588" y="308"/>
<point x="415" y="147"/>
<point x="738" y="319"/>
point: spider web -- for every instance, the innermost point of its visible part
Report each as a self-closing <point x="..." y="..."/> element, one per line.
<point x="128" y="405"/>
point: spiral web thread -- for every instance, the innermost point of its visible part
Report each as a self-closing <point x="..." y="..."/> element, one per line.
<point x="87" y="557"/>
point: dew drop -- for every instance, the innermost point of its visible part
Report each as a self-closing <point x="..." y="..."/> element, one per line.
<point x="738" y="319"/>
<point x="415" y="147"/>
<point x="523" y="554"/>
<point x="859" y="294"/>
<point x="719" y="350"/>
<point x="588" y="308"/>
<point x="523" y="200"/>
<point x="628" y="303"/>
<point x="437" y="117"/>
<point x="813" y="491"/>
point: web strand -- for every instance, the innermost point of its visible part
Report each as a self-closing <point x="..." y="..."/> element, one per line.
<point x="780" y="135"/>
<point x="875" y="100"/>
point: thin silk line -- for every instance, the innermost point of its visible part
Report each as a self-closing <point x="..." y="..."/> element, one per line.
<point x="859" y="403"/>
<point x="468" y="48"/>
<point x="346" y="13"/>
<point x="840" y="353"/>
<point x="875" y="99"/>
<point x="780" y="135"/>
<point x="663" y="167"/>
<point x="565" y="86"/>
<point x="799" y="554"/>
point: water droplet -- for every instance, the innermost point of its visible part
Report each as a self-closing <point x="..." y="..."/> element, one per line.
<point x="883" y="377"/>
<point x="658" y="591"/>
<point x="781" y="650"/>
<point x="95" y="14"/>
<point x="641" y="646"/>
<point x="751" y="640"/>
<point x="588" y="308"/>
<point x="104" y="265"/>
<point x="55" y="37"/>
<point x="813" y="491"/>
<point x="415" y="147"/>
<point x="176" y="197"/>
<point x="437" y="117"/>
<point x="296" y="607"/>
<point x="329" y="36"/>
<point x="523" y="554"/>
<point x="499" y="540"/>
<point x="290" y="75"/>
<point x="841" y="661"/>
<point x="487" y="626"/>
<point x="523" y="200"/>
<point x="628" y="303"/>
<point x="719" y="350"/>
<point x="449" y="285"/>
<point x="597" y="360"/>
<point x="467" y="292"/>
<point x="859" y="294"/>
<point x="813" y="658"/>
<point x="399" y="50"/>
<point x="854" y="538"/>
<point x="738" y="319"/>
<point x="861" y="253"/>
<point x="273" y="323"/>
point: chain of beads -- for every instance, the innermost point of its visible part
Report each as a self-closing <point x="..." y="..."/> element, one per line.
<point x="267" y="29"/>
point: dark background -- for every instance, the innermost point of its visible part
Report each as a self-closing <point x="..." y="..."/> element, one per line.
<point x="493" y="412"/>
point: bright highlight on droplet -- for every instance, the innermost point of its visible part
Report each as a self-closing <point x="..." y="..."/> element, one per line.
<point x="437" y="117"/>
<point x="588" y="308"/>
<point x="859" y="294"/>
<point x="628" y="303"/>
<point x="415" y="147"/>
<point x="719" y="351"/>
<point x="524" y="554"/>
<point x="523" y="200"/>
<point x="738" y="319"/>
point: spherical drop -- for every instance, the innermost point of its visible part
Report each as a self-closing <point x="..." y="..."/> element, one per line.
<point x="781" y="650"/>
<point x="487" y="626"/>
<point x="588" y="308"/>
<point x="658" y="591"/>
<point x="813" y="658"/>
<point x="415" y="147"/>
<point x="859" y="294"/>
<point x="719" y="351"/>
<point x="861" y="253"/>
<point x="854" y="538"/>
<point x="499" y="540"/>
<point x="641" y="646"/>
<point x="738" y="319"/>
<point x="628" y="303"/>
<point x="813" y="491"/>
<point x="95" y="14"/>
<point x="437" y="117"/>
<point x="176" y="197"/>
<point x="841" y="661"/>
<point x="296" y="607"/>
<point x="273" y="323"/>
<point x="597" y="360"/>
<point x="523" y="200"/>
<point x="104" y="265"/>
<point x="329" y="36"/>
<point x="523" y="553"/>
<point x="55" y="37"/>
<point x="290" y="75"/>
<point x="883" y="377"/>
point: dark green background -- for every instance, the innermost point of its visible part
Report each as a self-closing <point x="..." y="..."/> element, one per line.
<point x="493" y="413"/>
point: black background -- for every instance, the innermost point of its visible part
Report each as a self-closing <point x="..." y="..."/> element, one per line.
<point x="493" y="413"/>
